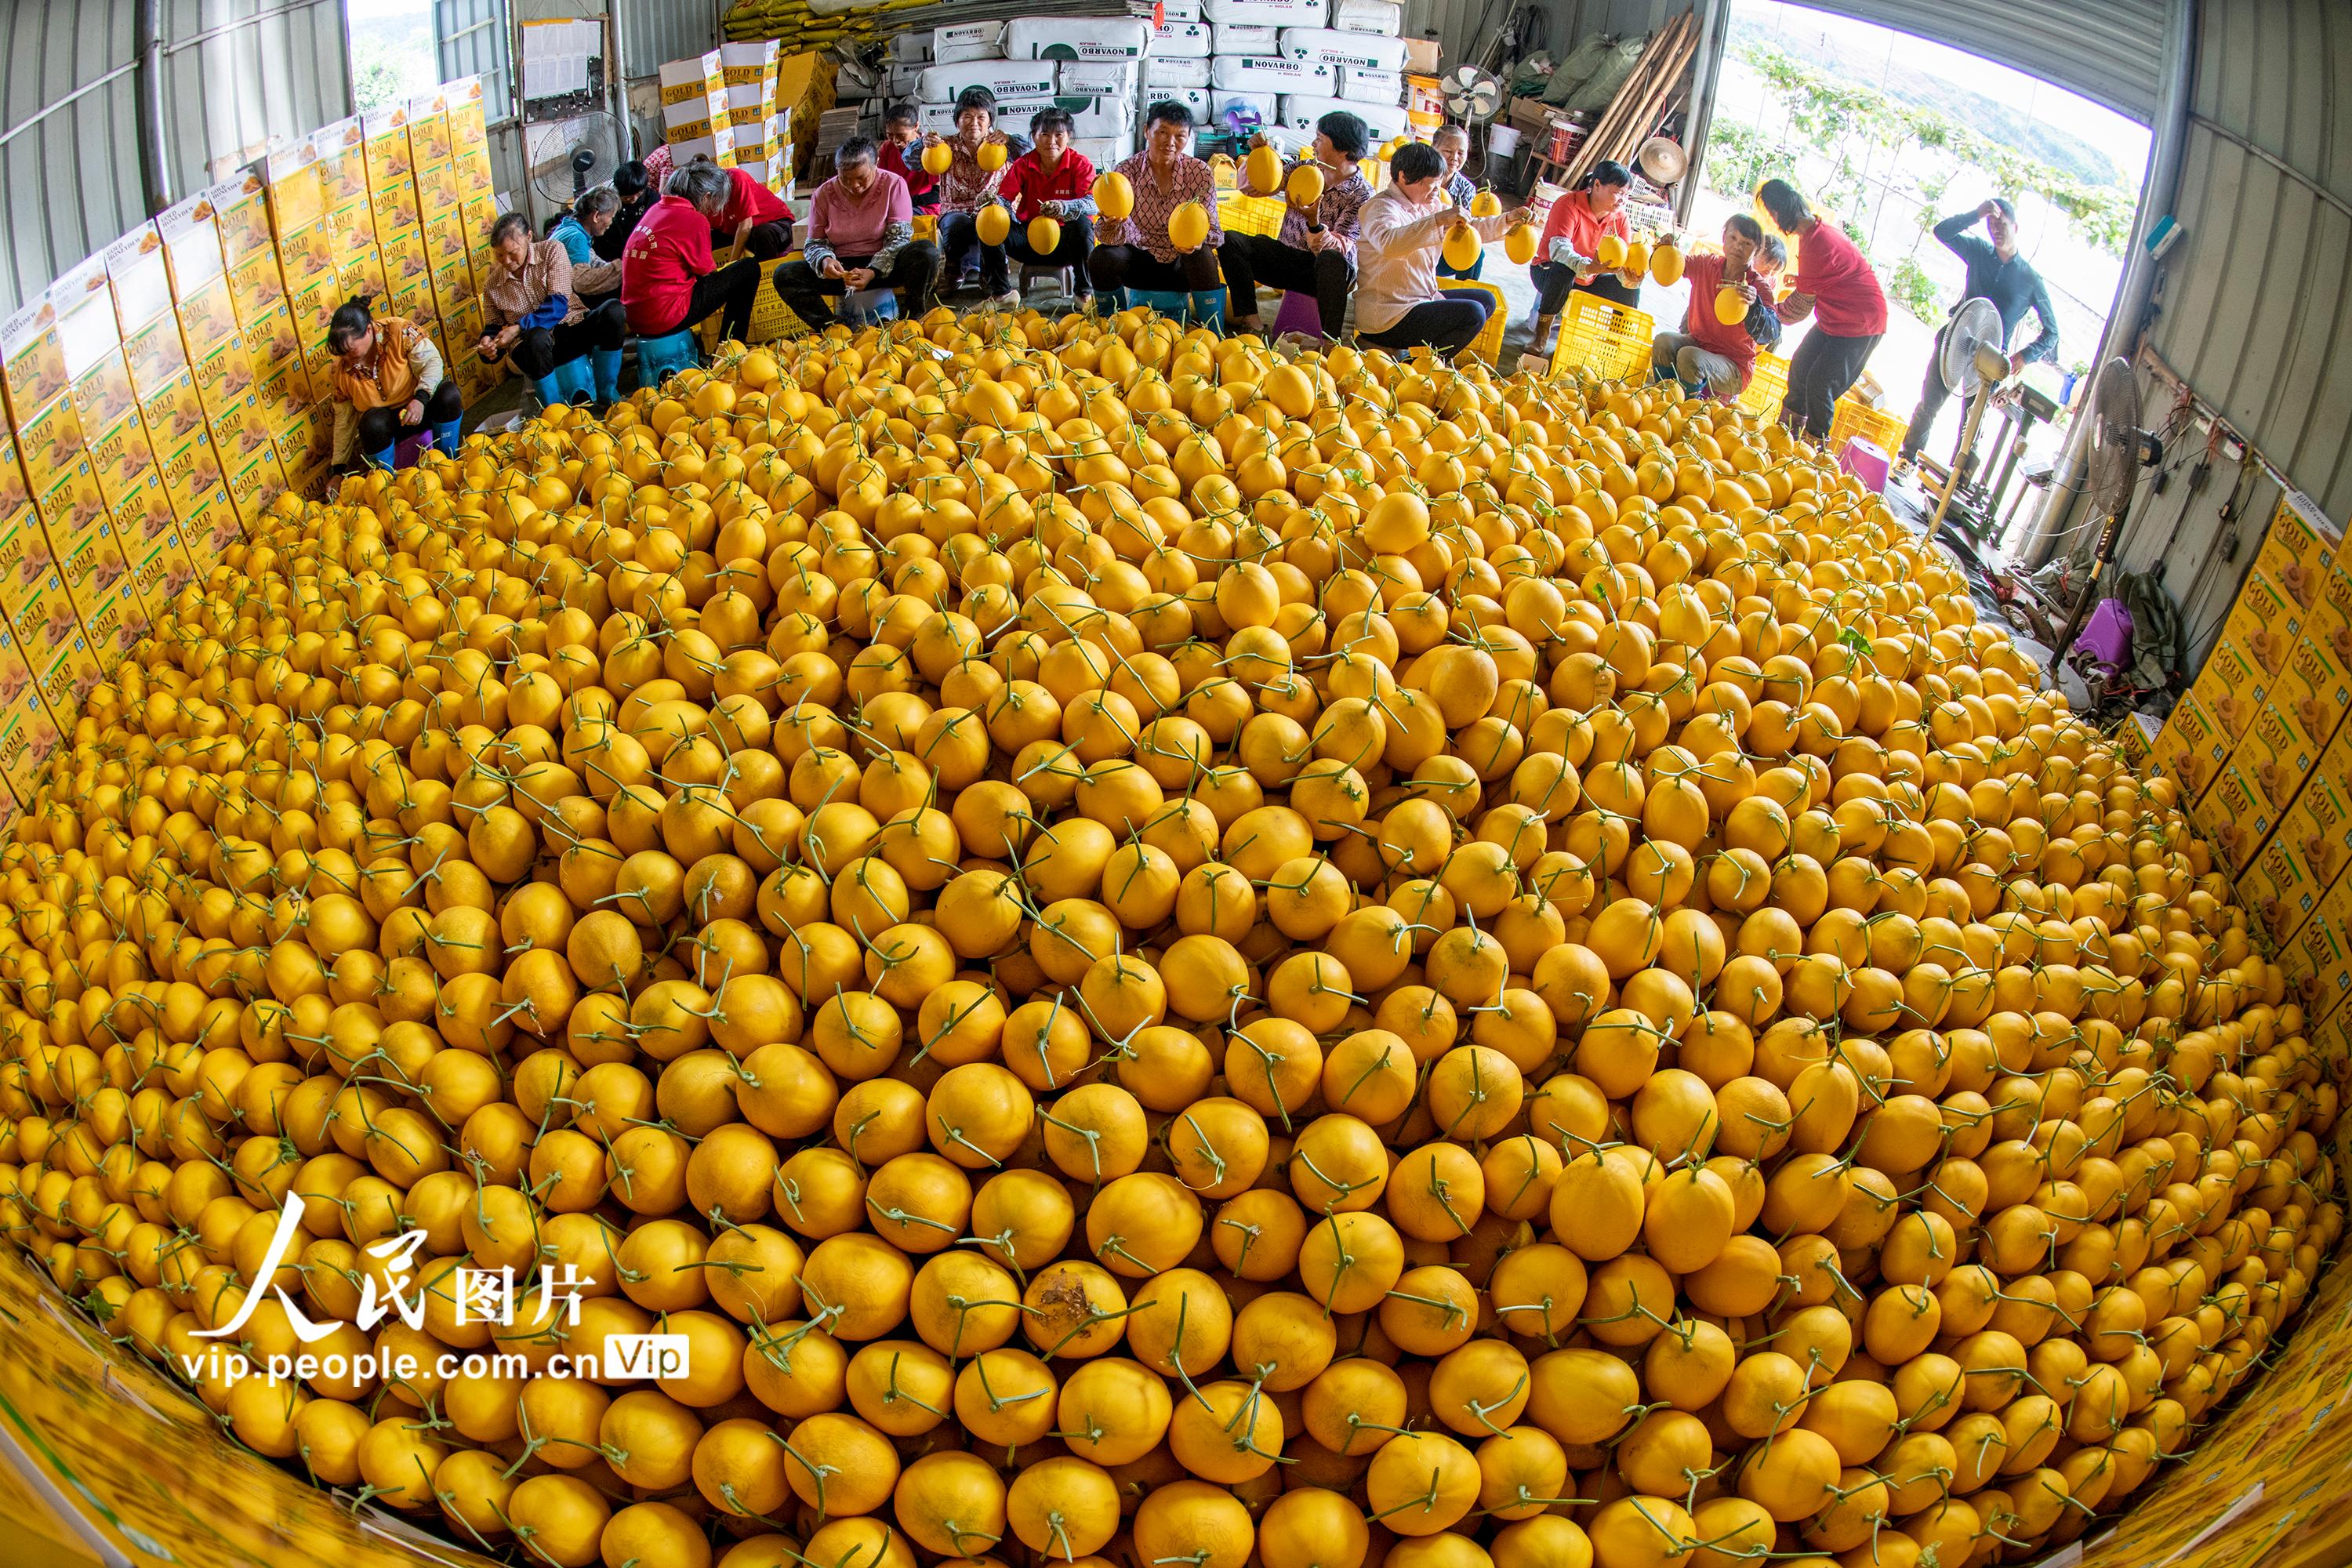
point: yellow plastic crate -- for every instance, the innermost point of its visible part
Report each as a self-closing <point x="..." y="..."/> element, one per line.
<point x="1855" y="417"/>
<point x="1242" y="214"/>
<point x="1610" y="341"/>
<point x="1488" y="344"/>
<point x="1767" y="387"/>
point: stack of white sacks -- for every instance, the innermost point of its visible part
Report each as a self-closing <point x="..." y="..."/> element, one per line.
<point x="1292" y="61"/>
<point x="1091" y="66"/>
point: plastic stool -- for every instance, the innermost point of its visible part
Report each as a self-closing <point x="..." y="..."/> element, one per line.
<point x="1299" y="313"/>
<point x="1032" y="270"/>
<point x="1205" y="308"/>
<point x="1866" y="460"/>
<point x="660" y="358"/>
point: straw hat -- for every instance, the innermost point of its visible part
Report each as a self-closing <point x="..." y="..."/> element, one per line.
<point x="1662" y="160"/>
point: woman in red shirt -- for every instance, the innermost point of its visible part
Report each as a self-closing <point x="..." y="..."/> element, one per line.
<point x="1708" y="352"/>
<point x="1835" y="286"/>
<point x="1571" y="238"/>
<point x="1051" y="181"/>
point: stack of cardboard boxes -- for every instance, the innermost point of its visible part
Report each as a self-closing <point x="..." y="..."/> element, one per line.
<point x="762" y="132"/>
<point x="162" y="394"/>
<point x="695" y="119"/>
<point x="2261" y="751"/>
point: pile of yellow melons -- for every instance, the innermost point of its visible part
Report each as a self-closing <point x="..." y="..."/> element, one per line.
<point x="1155" y="956"/>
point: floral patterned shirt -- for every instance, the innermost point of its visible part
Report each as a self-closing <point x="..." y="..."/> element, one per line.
<point x="1342" y="200"/>
<point x="1147" y="228"/>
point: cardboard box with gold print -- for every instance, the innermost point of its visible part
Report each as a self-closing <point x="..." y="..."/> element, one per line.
<point x="103" y="394"/>
<point x="2236" y="816"/>
<point x="156" y="352"/>
<point x="2276" y="751"/>
<point x="24" y="557"/>
<point x="2297" y="547"/>
<point x="255" y="483"/>
<point x="213" y="530"/>
<point x="238" y="431"/>
<point x="453" y="288"/>
<point x="139" y="278"/>
<point x="241" y="215"/>
<point x="2232" y="685"/>
<point x="2281" y="889"/>
<point x="72" y="509"/>
<point x="145" y="516"/>
<point x="283" y="394"/>
<point x="305" y="469"/>
<point x="13" y="491"/>
<point x="88" y="332"/>
<point x="309" y="254"/>
<point x="257" y="286"/>
<point x="2318" y="965"/>
<point x="49" y="443"/>
<point x="2267" y="620"/>
<point x="192" y="245"/>
<point x="398" y="210"/>
<point x="428" y="128"/>
<point x="189" y="470"/>
<point x="175" y="412"/>
<point x="343" y="161"/>
<point x="121" y="458"/>
<point x="406" y="263"/>
<point x="389" y="154"/>
<point x="32" y="365"/>
<point x="167" y="565"/>
<point x="275" y="342"/>
<point x="28" y="734"/>
<point x="96" y="575"/>
<point x="224" y="375"/>
<point x="296" y="195"/>
<point x="2316" y="685"/>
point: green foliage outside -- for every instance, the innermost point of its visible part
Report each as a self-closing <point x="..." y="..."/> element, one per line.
<point x="1877" y="147"/>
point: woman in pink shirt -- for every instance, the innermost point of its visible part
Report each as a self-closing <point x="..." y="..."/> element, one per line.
<point x="1835" y="286"/>
<point x="860" y="234"/>
<point x="1708" y="352"/>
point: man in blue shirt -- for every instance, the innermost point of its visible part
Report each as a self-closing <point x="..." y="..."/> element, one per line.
<point x="1997" y="273"/>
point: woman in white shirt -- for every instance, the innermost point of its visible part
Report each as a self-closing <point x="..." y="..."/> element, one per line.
<point x="1400" y="232"/>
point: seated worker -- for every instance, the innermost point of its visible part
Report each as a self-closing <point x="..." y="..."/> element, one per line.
<point x="860" y="233"/>
<point x="389" y="385"/>
<point x="1135" y="252"/>
<point x="530" y="316"/>
<point x="1399" y="304"/>
<point x="1315" y="251"/>
<point x="668" y="279"/>
<point x="966" y="187"/>
<point x="1050" y="181"/>
<point x="1708" y="354"/>
<point x="753" y="221"/>
<point x="1453" y="144"/>
<point x="902" y="155"/>
<point x="591" y="217"/>
<point x="1564" y="260"/>
<point x="639" y="193"/>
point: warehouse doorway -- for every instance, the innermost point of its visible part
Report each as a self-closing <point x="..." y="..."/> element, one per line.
<point x="1890" y="133"/>
<point x="391" y="53"/>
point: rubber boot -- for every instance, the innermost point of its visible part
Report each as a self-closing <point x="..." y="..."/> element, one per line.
<point x="577" y="385"/>
<point x="550" y="387"/>
<point x="605" y="365"/>
<point x="447" y="435"/>
<point x="382" y="460"/>
<point x="1208" y="308"/>
<point x="1539" y="335"/>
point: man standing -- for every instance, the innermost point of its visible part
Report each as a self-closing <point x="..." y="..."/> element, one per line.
<point x="1997" y="273"/>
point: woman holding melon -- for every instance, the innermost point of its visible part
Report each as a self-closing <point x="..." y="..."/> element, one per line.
<point x="977" y="155"/>
<point x="1583" y="249"/>
<point x="1403" y="229"/>
<point x="1050" y="190"/>
<point x="1716" y="348"/>
<point x="1158" y="230"/>
<point x="1835" y="286"/>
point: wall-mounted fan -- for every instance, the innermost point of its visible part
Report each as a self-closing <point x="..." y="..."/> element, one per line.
<point x="565" y="157"/>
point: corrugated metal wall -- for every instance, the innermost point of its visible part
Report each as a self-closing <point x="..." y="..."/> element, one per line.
<point x="69" y="138"/>
<point x="1467" y="27"/>
<point x="653" y="31"/>
<point x="2253" y="311"/>
<point x="2110" y="51"/>
<point x="236" y="75"/>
